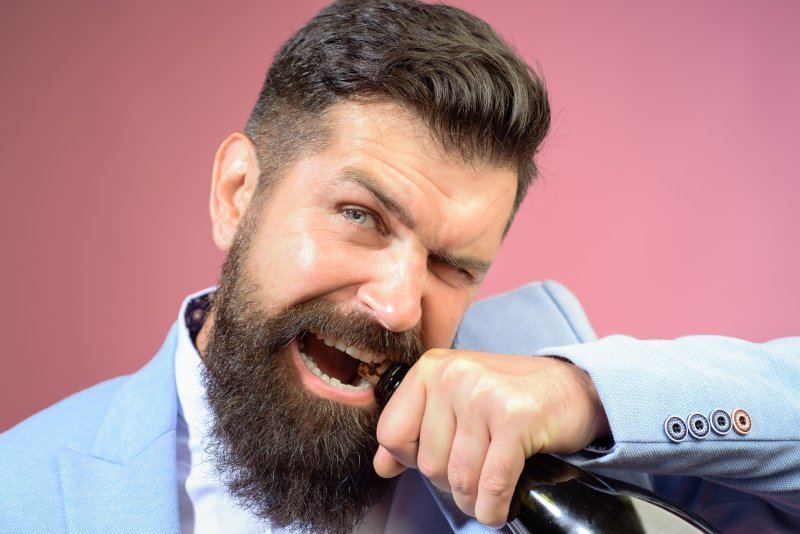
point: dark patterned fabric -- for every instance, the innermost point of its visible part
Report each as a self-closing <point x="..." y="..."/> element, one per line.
<point x="196" y="311"/>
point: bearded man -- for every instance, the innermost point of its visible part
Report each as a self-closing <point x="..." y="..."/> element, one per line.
<point x="388" y="151"/>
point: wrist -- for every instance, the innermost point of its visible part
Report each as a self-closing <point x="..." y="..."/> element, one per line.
<point x="598" y="428"/>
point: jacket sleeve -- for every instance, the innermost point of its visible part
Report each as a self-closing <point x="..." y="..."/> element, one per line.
<point x="732" y="480"/>
<point x="644" y="383"/>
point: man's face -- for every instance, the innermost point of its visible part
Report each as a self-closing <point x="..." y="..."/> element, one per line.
<point x="376" y="242"/>
<point x="382" y="222"/>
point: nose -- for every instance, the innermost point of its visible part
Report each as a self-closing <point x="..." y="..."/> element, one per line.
<point x="394" y="291"/>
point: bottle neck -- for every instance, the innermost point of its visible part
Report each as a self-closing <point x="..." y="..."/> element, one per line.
<point x="389" y="382"/>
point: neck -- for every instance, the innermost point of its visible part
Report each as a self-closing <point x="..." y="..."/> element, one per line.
<point x="201" y="342"/>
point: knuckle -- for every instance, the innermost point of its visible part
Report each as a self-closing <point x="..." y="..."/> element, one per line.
<point x="435" y="353"/>
<point x="514" y="407"/>
<point x="459" y="369"/>
<point x="430" y="469"/>
<point x="427" y="364"/>
<point x="461" y="481"/>
<point x="432" y="356"/>
<point x="496" y="488"/>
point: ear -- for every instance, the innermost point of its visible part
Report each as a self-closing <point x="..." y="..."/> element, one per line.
<point x="233" y="183"/>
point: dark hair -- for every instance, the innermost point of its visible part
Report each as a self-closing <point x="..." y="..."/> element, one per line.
<point x="479" y="99"/>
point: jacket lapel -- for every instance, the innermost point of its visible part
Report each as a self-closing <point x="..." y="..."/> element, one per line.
<point x="126" y="481"/>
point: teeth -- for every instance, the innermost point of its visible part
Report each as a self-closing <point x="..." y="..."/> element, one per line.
<point x="355" y="352"/>
<point x="333" y="381"/>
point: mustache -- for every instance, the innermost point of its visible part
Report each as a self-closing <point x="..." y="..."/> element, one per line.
<point x="287" y="455"/>
<point x="355" y="328"/>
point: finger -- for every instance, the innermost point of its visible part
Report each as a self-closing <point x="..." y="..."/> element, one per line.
<point x="399" y="424"/>
<point x="467" y="454"/>
<point x="501" y="470"/>
<point x="435" y="441"/>
<point x="385" y="464"/>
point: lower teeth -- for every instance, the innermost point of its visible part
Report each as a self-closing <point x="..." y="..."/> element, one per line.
<point x="333" y="381"/>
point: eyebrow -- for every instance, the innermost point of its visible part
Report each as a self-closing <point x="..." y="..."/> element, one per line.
<point x="364" y="180"/>
<point x="381" y="195"/>
<point x="468" y="263"/>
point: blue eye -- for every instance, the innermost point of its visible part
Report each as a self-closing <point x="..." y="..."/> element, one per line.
<point x="360" y="217"/>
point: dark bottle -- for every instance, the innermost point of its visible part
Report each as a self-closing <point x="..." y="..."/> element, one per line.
<point x="554" y="496"/>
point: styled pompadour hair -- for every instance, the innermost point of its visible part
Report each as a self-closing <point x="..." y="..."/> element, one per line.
<point x="477" y="97"/>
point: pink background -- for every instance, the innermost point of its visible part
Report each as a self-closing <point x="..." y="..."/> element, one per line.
<point x="668" y="205"/>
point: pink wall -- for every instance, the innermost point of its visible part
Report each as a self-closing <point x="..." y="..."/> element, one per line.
<point x="668" y="205"/>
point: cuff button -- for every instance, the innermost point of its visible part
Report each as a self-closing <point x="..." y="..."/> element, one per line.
<point x="720" y="422"/>
<point x="698" y="425"/>
<point x="675" y="429"/>
<point x="741" y="421"/>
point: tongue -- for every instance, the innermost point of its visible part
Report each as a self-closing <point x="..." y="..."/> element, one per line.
<point x="330" y="360"/>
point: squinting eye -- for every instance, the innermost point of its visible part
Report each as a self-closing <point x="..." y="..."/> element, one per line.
<point x="451" y="272"/>
<point x="359" y="216"/>
<point x="464" y="274"/>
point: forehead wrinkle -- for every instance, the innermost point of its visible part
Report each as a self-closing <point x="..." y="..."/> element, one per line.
<point x="364" y="180"/>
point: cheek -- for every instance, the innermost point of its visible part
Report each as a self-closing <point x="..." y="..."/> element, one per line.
<point x="294" y="266"/>
<point x="312" y="260"/>
<point x="307" y="255"/>
<point x="441" y="315"/>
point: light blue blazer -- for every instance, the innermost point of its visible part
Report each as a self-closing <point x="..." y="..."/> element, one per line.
<point x="103" y="460"/>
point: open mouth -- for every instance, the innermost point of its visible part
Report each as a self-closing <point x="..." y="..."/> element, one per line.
<point x="334" y="362"/>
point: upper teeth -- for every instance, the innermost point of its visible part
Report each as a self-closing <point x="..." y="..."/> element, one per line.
<point x="363" y="355"/>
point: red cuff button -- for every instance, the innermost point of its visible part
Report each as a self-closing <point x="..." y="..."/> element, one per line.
<point x="741" y="421"/>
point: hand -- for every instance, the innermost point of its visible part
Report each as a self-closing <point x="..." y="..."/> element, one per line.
<point x="468" y="420"/>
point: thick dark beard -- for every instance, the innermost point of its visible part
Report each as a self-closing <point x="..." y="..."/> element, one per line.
<point x="288" y="456"/>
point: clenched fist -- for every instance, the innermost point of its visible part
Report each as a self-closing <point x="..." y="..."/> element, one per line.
<point x="468" y="420"/>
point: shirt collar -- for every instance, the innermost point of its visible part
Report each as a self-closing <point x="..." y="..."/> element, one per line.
<point x="192" y="403"/>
